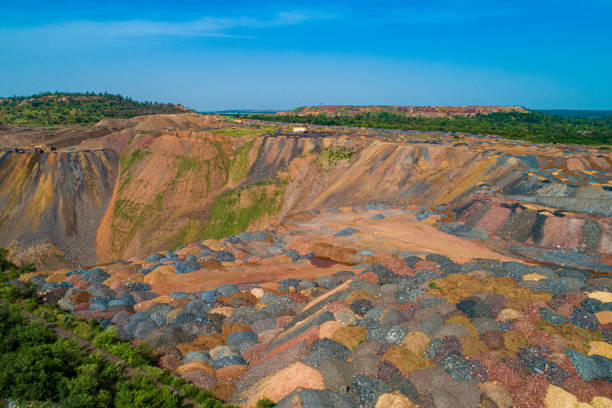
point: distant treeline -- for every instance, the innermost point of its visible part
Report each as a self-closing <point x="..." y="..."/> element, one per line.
<point x="535" y="127"/>
<point x="572" y="113"/>
<point x="60" y="109"/>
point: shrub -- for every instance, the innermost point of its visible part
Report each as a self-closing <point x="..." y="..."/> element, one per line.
<point x="36" y="372"/>
<point x="143" y="393"/>
<point x="265" y="403"/>
<point x="334" y="154"/>
<point x="139" y="356"/>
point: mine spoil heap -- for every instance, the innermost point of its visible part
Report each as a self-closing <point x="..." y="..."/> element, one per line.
<point x="333" y="268"/>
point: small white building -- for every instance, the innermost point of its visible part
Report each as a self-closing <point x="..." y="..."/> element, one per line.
<point x="300" y="129"/>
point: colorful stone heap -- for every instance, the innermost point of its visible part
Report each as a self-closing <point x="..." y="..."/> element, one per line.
<point x="414" y="329"/>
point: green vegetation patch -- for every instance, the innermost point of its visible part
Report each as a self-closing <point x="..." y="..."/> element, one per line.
<point x="129" y="217"/>
<point x="128" y="159"/>
<point x="245" y="130"/>
<point x="234" y="211"/>
<point x="433" y="285"/>
<point x="41" y="369"/>
<point x="142" y="392"/>
<point x="577" y="113"/>
<point x="238" y="169"/>
<point x="334" y="154"/>
<point x="187" y="164"/>
<point x="265" y="403"/>
<point x="536" y="127"/>
<point x="139" y="356"/>
<point x="189" y="233"/>
<point x="61" y="109"/>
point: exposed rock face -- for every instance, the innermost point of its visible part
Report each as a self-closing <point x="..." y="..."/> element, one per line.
<point x="179" y="186"/>
<point x="159" y="182"/>
<point x="56" y="197"/>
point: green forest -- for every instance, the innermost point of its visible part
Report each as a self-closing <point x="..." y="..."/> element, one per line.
<point x="536" y="127"/>
<point x="578" y="113"/>
<point x="41" y="369"/>
<point x="63" y="109"/>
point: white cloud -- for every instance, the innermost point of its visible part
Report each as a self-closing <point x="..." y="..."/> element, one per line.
<point x="202" y="27"/>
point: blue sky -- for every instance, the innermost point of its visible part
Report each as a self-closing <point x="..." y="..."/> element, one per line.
<point x="276" y="55"/>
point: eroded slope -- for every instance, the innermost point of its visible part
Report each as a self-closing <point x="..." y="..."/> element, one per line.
<point x="56" y="197"/>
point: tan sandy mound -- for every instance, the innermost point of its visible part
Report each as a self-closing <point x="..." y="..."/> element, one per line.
<point x="160" y="275"/>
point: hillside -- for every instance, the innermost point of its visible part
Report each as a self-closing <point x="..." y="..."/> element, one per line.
<point x="55" y="109"/>
<point x="408" y="111"/>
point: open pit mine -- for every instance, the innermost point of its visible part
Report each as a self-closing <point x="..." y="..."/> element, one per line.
<point x="330" y="266"/>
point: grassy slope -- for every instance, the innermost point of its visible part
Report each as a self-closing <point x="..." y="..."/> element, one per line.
<point x="234" y="208"/>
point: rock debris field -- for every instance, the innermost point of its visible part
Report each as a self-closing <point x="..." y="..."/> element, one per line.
<point x="349" y="307"/>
